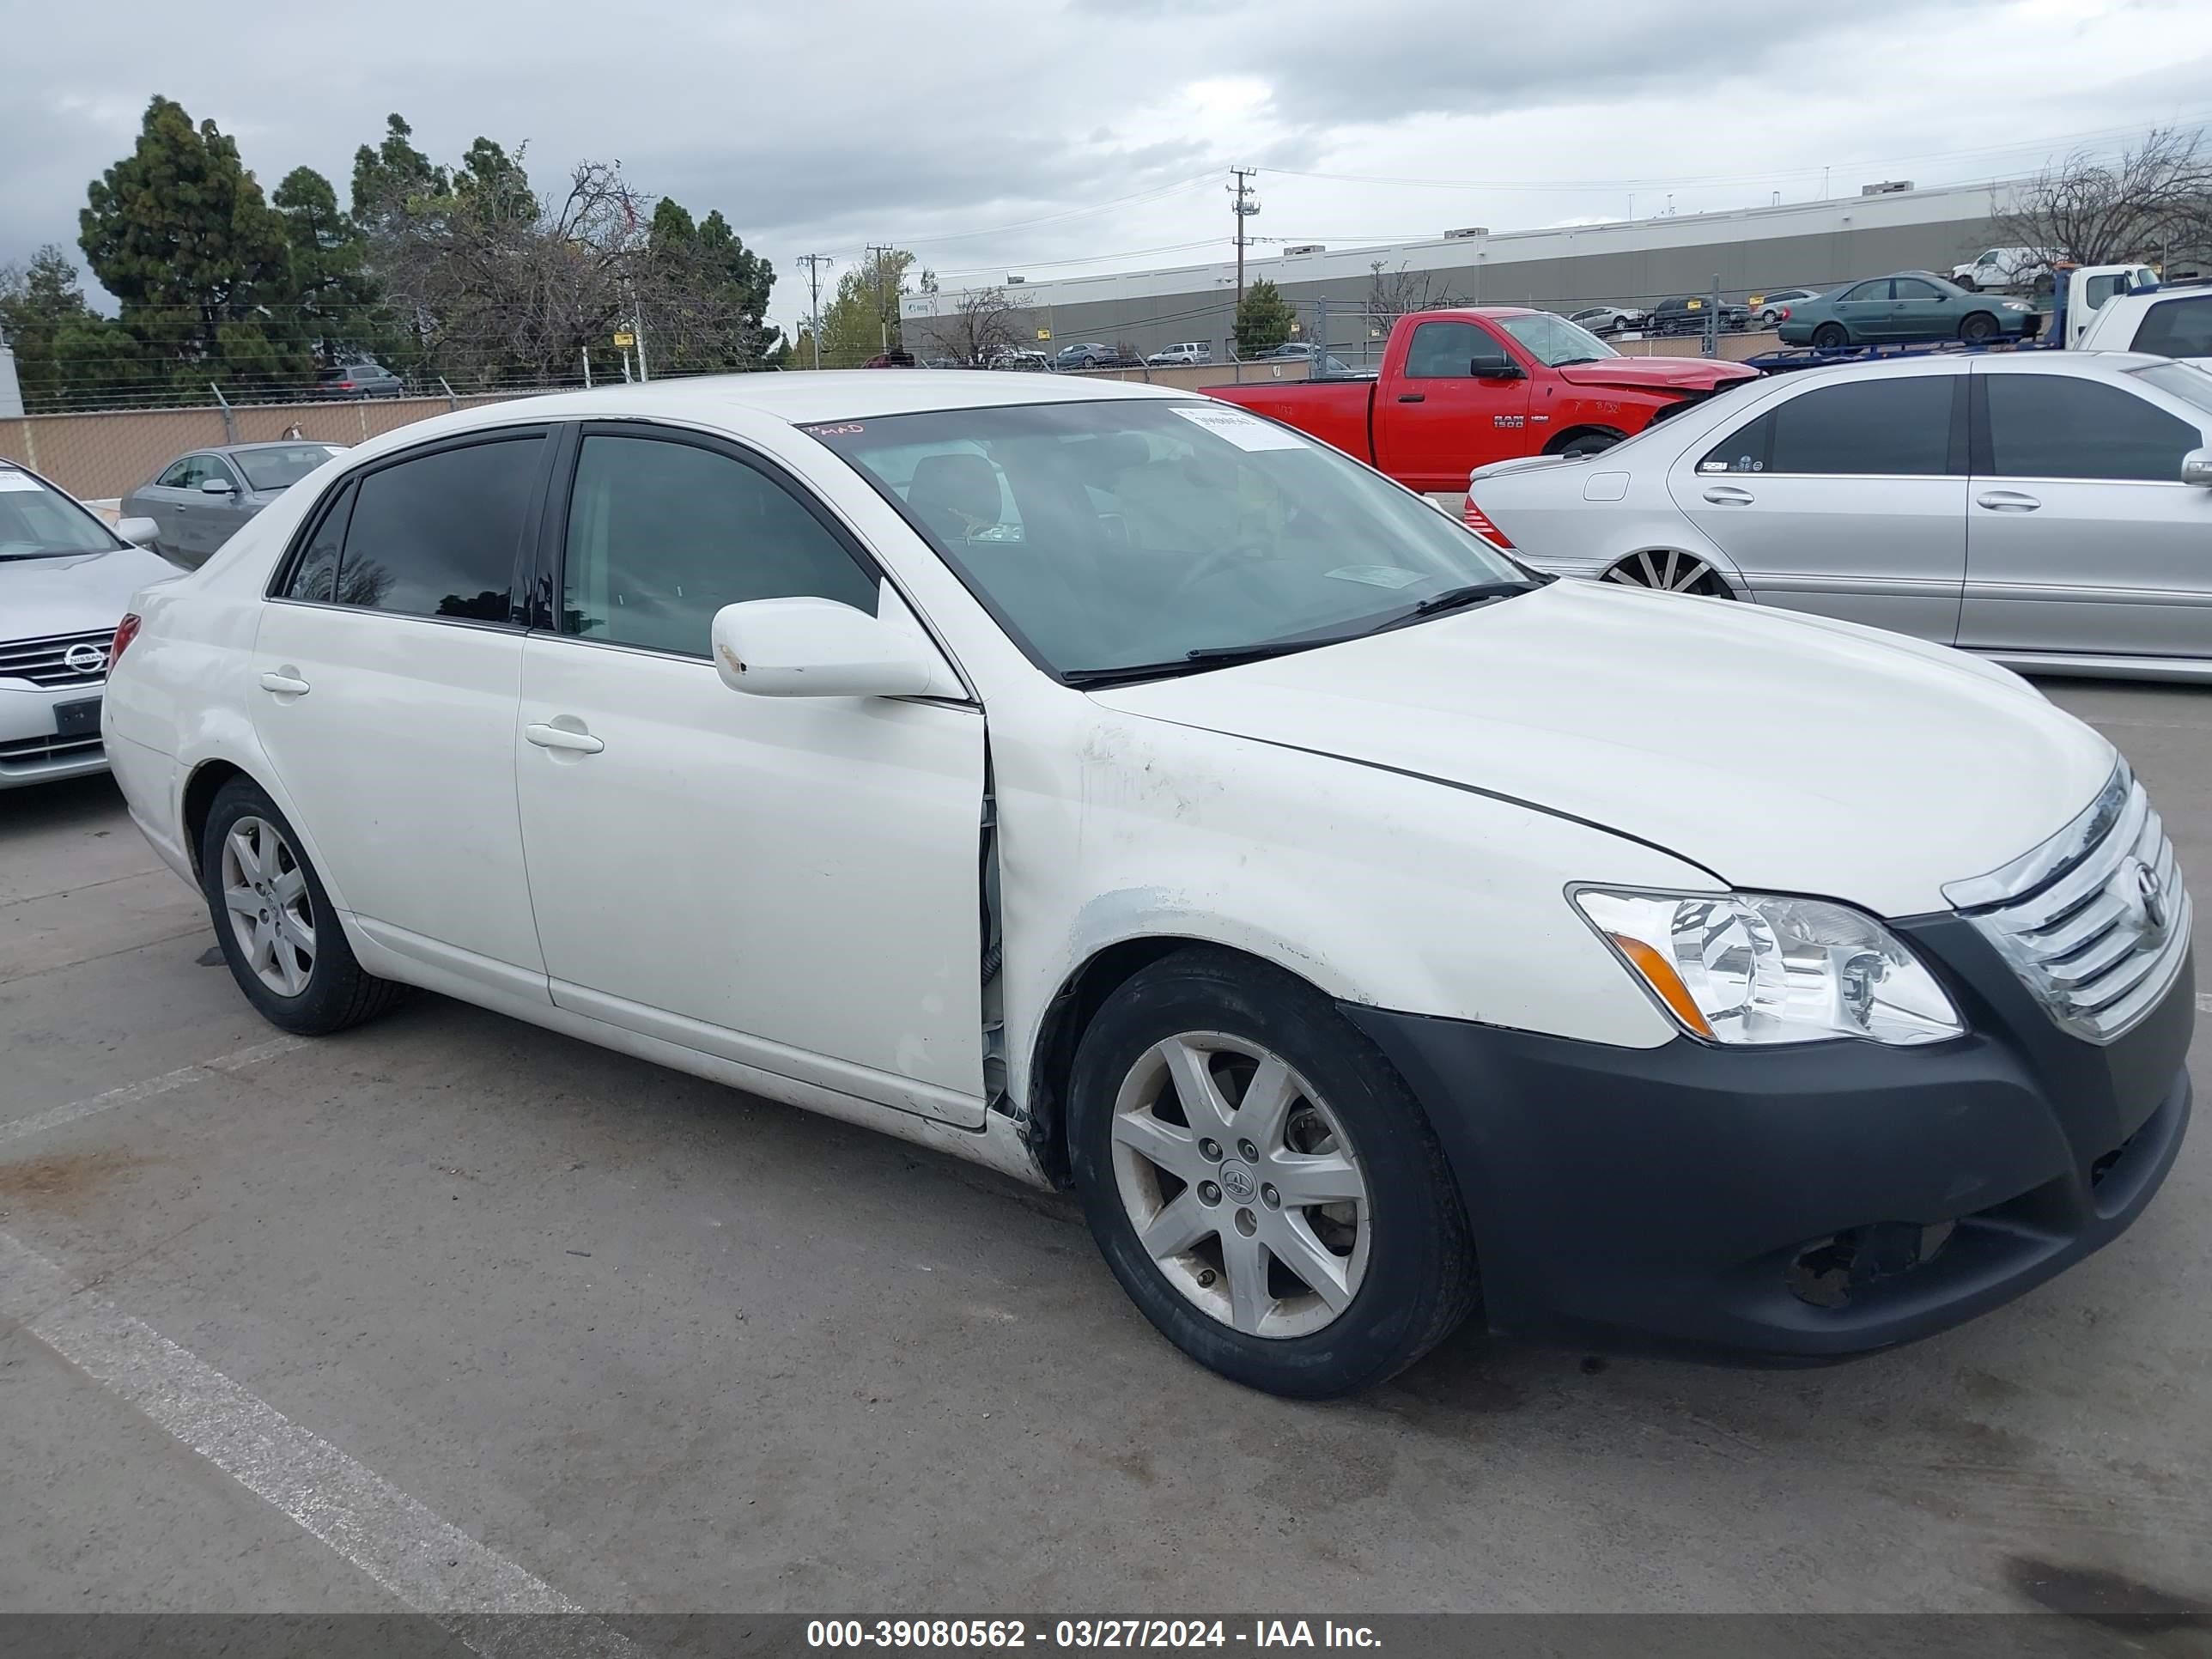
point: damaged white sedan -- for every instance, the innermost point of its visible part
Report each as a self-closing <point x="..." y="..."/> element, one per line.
<point x="1121" y="790"/>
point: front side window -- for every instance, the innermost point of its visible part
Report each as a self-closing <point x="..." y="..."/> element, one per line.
<point x="2178" y="328"/>
<point x="196" y="471"/>
<point x="436" y="535"/>
<point x="1443" y="351"/>
<point x="2053" y="426"/>
<point x="1129" y="537"/>
<point x="662" y="534"/>
<point x="175" y="477"/>
<point x="1911" y="288"/>
<point x="1898" y="427"/>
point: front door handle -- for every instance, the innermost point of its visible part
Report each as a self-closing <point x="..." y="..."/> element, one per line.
<point x="285" y="683"/>
<point x="569" y="740"/>
<point x="2008" y="501"/>
<point x="1729" y="495"/>
<point x="1412" y="397"/>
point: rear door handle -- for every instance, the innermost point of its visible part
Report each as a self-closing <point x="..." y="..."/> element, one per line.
<point x="566" y="739"/>
<point x="1412" y="397"/>
<point x="2008" y="501"/>
<point x="286" y="682"/>
<point x="1729" y="495"/>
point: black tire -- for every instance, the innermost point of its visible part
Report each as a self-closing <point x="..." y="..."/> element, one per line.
<point x="1590" y="443"/>
<point x="1979" y="329"/>
<point x="1829" y="336"/>
<point x="337" y="992"/>
<point x="1420" y="1279"/>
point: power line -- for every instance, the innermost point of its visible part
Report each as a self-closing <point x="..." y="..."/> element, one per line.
<point x="814" y="262"/>
<point x="1242" y="205"/>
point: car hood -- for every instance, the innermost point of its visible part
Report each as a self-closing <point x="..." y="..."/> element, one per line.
<point x="1781" y="752"/>
<point x="1656" y="374"/>
<point x="76" y="593"/>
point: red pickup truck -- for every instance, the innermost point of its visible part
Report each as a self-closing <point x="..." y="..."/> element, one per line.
<point x="1464" y="388"/>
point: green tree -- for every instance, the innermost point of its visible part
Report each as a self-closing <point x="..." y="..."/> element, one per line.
<point x="1263" y="318"/>
<point x="63" y="347"/>
<point x="387" y="178"/>
<point x="332" y="297"/>
<point x="863" y="319"/>
<point x="708" y="294"/>
<point x="178" y="232"/>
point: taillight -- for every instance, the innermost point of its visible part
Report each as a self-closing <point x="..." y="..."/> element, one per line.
<point x="345" y="386"/>
<point x="1479" y="521"/>
<point x="125" y="631"/>
<point x="1781" y="314"/>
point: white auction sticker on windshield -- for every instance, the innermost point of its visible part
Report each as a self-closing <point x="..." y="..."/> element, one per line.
<point x="1237" y="426"/>
<point x="11" y="479"/>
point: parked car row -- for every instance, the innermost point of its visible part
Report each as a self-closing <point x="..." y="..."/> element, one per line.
<point x="197" y="501"/>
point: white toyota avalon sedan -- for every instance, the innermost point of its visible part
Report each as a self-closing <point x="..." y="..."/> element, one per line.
<point x="1122" y="791"/>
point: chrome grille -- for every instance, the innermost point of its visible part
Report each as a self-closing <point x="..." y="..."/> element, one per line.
<point x="45" y="662"/>
<point x="2096" y="921"/>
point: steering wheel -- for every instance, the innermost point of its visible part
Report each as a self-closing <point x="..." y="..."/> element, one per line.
<point x="1247" y="557"/>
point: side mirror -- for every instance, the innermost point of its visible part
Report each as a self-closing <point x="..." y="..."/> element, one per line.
<point x="216" y="487"/>
<point x="139" y="532"/>
<point x="1496" y="368"/>
<point x="816" y="648"/>
<point x="2197" y="468"/>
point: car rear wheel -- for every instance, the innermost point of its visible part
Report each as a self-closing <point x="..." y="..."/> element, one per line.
<point x="1261" y="1182"/>
<point x="1590" y="443"/>
<point x="1829" y="336"/>
<point x="1978" y="329"/>
<point x="275" y="923"/>
<point x="1670" y="570"/>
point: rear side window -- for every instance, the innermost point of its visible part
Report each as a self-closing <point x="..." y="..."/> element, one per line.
<point x="2178" y="328"/>
<point x="1877" y="289"/>
<point x="315" y="577"/>
<point x="2052" y="426"/>
<point x="436" y="536"/>
<point x="663" y="534"/>
<point x="1895" y="427"/>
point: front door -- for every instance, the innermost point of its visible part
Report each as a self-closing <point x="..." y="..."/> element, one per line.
<point x="1847" y="498"/>
<point x="384" y="679"/>
<point x="1918" y="311"/>
<point x="790" y="883"/>
<point x="2081" y="538"/>
<point x="1440" y="420"/>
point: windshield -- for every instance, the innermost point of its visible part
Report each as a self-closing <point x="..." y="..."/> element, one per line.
<point x="39" y="522"/>
<point x="2184" y="380"/>
<point x="1554" y="340"/>
<point x="282" y="468"/>
<point x="1116" y="535"/>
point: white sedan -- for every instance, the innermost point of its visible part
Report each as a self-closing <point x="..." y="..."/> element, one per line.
<point x="1113" y="787"/>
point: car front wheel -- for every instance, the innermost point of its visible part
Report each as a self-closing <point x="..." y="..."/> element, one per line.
<point x="278" y="931"/>
<point x="1261" y="1180"/>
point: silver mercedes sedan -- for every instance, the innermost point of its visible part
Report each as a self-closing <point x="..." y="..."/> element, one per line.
<point x="199" y="500"/>
<point x="2050" y="510"/>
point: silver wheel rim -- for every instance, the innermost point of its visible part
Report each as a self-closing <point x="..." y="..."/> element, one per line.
<point x="272" y="917"/>
<point x="1672" y="571"/>
<point x="1241" y="1185"/>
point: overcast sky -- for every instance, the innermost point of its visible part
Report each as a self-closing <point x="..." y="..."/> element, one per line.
<point x="1050" y="136"/>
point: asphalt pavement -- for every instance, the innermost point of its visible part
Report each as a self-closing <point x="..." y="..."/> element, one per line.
<point x="448" y="1311"/>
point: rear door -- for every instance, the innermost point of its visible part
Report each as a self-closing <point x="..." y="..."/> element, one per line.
<point x="1440" y="419"/>
<point x="385" y="681"/>
<point x="1864" y="311"/>
<point x="1846" y="497"/>
<point x="2081" y="538"/>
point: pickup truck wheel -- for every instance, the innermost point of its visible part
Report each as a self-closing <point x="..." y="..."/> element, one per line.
<point x="1829" y="336"/>
<point x="1671" y="571"/>
<point x="1587" y="443"/>
<point x="1261" y="1182"/>
<point x="1978" y="329"/>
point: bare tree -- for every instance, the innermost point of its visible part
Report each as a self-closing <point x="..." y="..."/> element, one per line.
<point x="1394" y="294"/>
<point x="2156" y="199"/>
<point x="984" y="324"/>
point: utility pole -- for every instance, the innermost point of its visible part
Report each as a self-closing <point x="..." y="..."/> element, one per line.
<point x="814" y="262"/>
<point x="877" y="254"/>
<point x="1243" y="203"/>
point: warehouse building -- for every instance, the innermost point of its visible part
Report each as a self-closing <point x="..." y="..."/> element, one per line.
<point x="1891" y="227"/>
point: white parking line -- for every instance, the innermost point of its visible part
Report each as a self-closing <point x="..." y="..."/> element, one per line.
<point x="418" y="1557"/>
<point x="2204" y="1002"/>
<point x="130" y="1093"/>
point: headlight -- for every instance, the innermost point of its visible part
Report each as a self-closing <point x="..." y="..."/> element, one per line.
<point x="2015" y="305"/>
<point x="1752" y="968"/>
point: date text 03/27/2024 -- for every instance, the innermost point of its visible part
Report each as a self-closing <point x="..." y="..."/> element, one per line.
<point x="1128" y="1633"/>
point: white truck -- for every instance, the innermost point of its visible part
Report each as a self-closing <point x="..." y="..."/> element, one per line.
<point x="2173" y="322"/>
<point x="2002" y="268"/>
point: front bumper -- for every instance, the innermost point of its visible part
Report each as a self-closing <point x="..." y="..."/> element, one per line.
<point x="1798" y="1204"/>
<point x="31" y="750"/>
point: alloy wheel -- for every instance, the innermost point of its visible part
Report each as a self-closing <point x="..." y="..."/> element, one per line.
<point x="1671" y="571"/>
<point x="272" y="915"/>
<point x="1241" y="1184"/>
